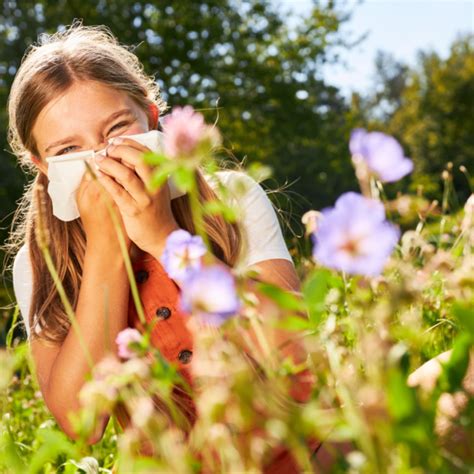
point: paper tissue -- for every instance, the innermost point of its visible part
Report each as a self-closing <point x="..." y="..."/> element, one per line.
<point x="65" y="174"/>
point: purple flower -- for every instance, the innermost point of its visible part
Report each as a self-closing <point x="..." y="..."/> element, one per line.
<point x="124" y="339"/>
<point x="210" y="294"/>
<point x="182" y="254"/>
<point x="354" y="236"/>
<point x="382" y="154"/>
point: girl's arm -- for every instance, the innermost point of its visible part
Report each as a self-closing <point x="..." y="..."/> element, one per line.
<point x="62" y="370"/>
<point x="282" y="273"/>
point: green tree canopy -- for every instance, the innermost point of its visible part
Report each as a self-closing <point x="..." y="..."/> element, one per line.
<point x="430" y="109"/>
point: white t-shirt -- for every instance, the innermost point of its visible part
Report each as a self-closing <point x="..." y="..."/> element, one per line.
<point x="262" y="238"/>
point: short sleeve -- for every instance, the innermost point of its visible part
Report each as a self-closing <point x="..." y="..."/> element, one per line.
<point x="23" y="284"/>
<point x="263" y="237"/>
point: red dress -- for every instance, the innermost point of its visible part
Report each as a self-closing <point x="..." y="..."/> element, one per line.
<point x="159" y="295"/>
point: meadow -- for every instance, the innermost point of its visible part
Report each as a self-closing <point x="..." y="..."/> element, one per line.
<point x="387" y="285"/>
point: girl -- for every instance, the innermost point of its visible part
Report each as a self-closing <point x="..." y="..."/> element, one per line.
<point x="75" y="91"/>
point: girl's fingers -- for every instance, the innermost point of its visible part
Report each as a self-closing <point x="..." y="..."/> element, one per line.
<point x="131" y="152"/>
<point x="127" y="179"/>
<point x="129" y="142"/>
<point x="121" y="197"/>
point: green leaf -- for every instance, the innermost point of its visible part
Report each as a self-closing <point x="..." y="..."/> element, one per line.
<point x="465" y="315"/>
<point x="220" y="208"/>
<point x="10" y="458"/>
<point x="455" y="368"/>
<point x="52" y="445"/>
<point x="158" y="178"/>
<point x="259" y="172"/>
<point x="184" y="178"/>
<point x="152" y="158"/>
<point x="284" y="299"/>
<point x="315" y="289"/>
<point x="294" y="323"/>
<point x="401" y="398"/>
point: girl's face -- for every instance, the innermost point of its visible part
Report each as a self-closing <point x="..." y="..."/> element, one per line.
<point x="84" y="118"/>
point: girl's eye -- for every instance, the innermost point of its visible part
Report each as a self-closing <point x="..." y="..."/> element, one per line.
<point x="115" y="127"/>
<point x="119" y="125"/>
<point x="66" y="150"/>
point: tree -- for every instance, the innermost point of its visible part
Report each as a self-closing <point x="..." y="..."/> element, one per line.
<point x="432" y="114"/>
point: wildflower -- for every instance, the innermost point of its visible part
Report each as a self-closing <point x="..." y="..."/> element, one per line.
<point x="354" y="236"/>
<point x="136" y="368"/>
<point x="182" y="254"/>
<point x="142" y="410"/>
<point x="185" y="131"/>
<point x="109" y="366"/>
<point x="210" y="294"/>
<point x="382" y="154"/>
<point x="310" y="220"/>
<point x="124" y="339"/>
<point x="98" y="395"/>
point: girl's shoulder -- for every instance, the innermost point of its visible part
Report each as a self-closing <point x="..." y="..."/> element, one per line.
<point x="227" y="176"/>
<point x="21" y="263"/>
<point x="23" y="282"/>
<point x="262" y="235"/>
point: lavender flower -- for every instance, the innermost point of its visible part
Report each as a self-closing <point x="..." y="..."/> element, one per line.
<point x="124" y="339"/>
<point x="210" y="294"/>
<point x="354" y="236"/>
<point x="184" y="131"/>
<point x="182" y="254"/>
<point x="382" y="154"/>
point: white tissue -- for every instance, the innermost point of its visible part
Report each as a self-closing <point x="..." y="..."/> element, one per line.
<point x="65" y="174"/>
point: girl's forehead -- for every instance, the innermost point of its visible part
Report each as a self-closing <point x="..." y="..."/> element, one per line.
<point x="88" y="97"/>
<point x="89" y="93"/>
<point x="85" y="104"/>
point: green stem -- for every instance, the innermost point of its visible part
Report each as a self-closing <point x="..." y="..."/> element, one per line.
<point x="67" y="304"/>
<point x="9" y="339"/>
<point x="196" y="211"/>
<point x="352" y="414"/>
<point x="125" y="254"/>
<point x="374" y="190"/>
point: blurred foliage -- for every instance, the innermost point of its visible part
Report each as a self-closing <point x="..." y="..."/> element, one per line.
<point x="363" y="337"/>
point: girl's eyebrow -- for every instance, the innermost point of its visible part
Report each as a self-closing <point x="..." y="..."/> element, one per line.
<point x="126" y="111"/>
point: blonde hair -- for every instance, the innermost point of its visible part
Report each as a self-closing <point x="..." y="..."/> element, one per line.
<point x="47" y="70"/>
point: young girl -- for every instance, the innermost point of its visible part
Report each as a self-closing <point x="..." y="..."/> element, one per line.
<point x="75" y="91"/>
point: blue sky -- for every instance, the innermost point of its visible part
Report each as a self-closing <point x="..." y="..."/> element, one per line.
<point x="398" y="26"/>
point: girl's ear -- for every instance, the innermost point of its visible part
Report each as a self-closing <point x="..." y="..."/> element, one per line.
<point x="39" y="164"/>
<point x="154" y="114"/>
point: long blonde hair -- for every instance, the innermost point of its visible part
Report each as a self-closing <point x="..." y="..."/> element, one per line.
<point x="48" y="69"/>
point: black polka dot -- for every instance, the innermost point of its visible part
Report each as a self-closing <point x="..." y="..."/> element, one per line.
<point x="185" y="356"/>
<point x="141" y="276"/>
<point x="163" y="312"/>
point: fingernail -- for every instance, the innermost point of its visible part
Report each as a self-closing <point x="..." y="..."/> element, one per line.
<point x="117" y="141"/>
<point x="99" y="158"/>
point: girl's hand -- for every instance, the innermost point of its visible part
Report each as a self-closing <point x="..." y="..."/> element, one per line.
<point x="94" y="204"/>
<point x="147" y="216"/>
